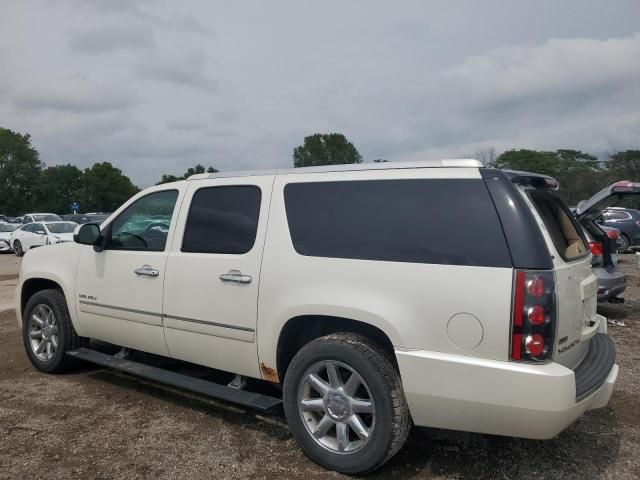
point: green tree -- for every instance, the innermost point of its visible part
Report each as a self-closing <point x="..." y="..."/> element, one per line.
<point x="578" y="173"/>
<point x="325" y="149"/>
<point x="528" y="161"/>
<point x="20" y="166"/>
<point x="57" y="187"/>
<point x="105" y="188"/>
<point x="624" y="166"/>
<point x="167" y="177"/>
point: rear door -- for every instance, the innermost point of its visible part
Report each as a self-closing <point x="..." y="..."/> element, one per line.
<point x="213" y="273"/>
<point x="576" y="284"/>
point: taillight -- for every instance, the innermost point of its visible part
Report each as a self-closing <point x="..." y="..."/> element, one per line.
<point x="614" y="234"/>
<point x="596" y="248"/>
<point x="534" y="315"/>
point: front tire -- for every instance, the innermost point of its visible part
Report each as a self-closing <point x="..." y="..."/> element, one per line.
<point x="17" y="248"/>
<point x="344" y="403"/>
<point x="47" y="332"/>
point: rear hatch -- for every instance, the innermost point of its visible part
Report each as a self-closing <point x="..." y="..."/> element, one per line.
<point x="576" y="284"/>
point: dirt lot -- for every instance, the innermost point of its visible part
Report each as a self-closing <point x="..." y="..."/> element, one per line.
<point x="96" y="424"/>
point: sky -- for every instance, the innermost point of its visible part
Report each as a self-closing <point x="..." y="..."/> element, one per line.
<point x="156" y="86"/>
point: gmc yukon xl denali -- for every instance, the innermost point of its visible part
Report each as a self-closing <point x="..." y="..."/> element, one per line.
<point x="376" y="296"/>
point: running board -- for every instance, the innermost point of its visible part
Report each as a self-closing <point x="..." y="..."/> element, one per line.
<point x="257" y="401"/>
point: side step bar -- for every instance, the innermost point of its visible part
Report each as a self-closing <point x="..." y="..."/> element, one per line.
<point x="257" y="401"/>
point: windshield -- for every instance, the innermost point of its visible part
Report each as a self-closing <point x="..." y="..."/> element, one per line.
<point x="63" y="227"/>
<point x="6" y="227"/>
<point x="46" y="218"/>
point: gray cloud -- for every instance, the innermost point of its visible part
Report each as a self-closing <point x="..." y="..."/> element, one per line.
<point x="70" y="98"/>
<point x="183" y="68"/>
<point x="110" y="38"/>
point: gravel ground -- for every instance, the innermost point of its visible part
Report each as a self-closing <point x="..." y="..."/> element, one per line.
<point x="97" y="424"/>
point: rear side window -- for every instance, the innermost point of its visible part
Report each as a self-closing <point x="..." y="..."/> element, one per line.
<point x="222" y="220"/>
<point x="562" y="227"/>
<point x="441" y="221"/>
<point x="617" y="215"/>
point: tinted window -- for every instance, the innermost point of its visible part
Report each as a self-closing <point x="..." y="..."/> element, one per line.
<point x="7" y="227"/>
<point x="30" y="227"/>
<point x="222" y="220"/>
<point x="144" y="225"/>
<point x="422" y="221"/>
<point x="561" y="225"/>
<point x="617" y="215"/>
<point x="62" y="227"/>
<point x="46" y="218"/>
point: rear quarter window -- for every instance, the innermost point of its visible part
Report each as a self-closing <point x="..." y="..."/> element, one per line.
<point x="565" y="233"/>
<point x="437" y="221"/>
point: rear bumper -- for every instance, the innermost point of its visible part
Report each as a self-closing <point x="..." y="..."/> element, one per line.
<point x="501" y="398"/>
<point x="610" y="284"/>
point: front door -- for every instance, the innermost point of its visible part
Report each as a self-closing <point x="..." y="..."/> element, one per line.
<point x="119" y="290"/>
<point x="213" y="270"/>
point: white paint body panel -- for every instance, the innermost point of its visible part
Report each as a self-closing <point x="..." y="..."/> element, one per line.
<point x="412" y="303"/>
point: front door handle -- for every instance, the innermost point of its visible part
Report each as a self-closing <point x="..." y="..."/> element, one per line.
<point x="235" y="276"/>
<point x="147" y="270"/>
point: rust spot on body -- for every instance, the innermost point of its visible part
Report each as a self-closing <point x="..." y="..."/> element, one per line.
<point x="269" y="374"/>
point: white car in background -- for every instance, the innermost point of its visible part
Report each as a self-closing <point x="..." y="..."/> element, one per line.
<point x="40" y="217"/>
<point x="38" y="234"/>
<point x="6" y="229"/>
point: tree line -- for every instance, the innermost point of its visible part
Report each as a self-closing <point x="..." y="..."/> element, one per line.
<point x="27" y="184"/>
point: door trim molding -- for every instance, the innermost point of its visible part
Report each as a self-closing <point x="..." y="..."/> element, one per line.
<point x="172" y="317"/>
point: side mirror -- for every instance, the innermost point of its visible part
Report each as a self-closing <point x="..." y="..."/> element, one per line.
<point x="41" y="232"/>
<point x="87" y="234"/>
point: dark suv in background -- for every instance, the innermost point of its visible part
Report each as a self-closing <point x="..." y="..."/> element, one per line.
<point x="627" y="220"/>
<point x="606" y="239"/>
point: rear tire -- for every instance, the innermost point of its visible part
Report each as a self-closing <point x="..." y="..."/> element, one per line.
<point x="17" y="248"/>
<point x="625" y="247"/>
<point x="47" y="332"/>
<point x="349" y="429"/>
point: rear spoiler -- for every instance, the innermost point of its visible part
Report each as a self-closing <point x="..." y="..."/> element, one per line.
<point x="536" y="180"/>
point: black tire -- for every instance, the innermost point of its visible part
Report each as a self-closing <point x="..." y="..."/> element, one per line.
<point x="392" y="419"/>
<point x="17" y="248"/>
<point x="67" y="338"/>
<point x="625" y="247"/>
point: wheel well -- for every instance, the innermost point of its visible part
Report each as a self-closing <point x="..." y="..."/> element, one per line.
<point x="299" y="331"/>
<point x="34" y="285"/>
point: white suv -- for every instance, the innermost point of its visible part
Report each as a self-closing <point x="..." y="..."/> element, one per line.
<point x="377" y="295"/>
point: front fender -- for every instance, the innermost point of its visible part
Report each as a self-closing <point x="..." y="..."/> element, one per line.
<point x="55" y="263"/>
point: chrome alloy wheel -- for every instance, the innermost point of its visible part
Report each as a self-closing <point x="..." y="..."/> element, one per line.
<point x="336" y="407"/>
<point x="43" y="332"/>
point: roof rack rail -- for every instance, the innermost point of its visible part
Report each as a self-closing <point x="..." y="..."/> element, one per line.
<point x="446" y="163"/>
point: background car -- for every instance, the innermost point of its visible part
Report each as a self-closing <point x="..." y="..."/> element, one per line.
<point x="604" y="260"/>
<point x="82" y="218"/>
<point x="5" y="234"/>
<point x="40" y="217"/>
<point x="603" y="240"/>
<point x="627" y="220"/>
<point x="38" y="234"/>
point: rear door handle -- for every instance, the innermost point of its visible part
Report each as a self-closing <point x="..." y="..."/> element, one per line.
<point x="235" y="276"/>
<point x="147" y="270"/>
